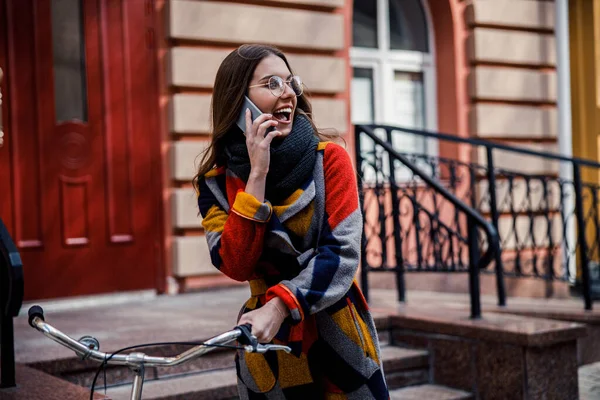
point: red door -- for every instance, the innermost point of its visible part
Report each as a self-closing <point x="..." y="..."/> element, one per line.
<point x="80" y="180"/>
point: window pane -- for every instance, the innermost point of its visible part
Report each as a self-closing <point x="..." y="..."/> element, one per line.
<point x="69" y="61"/>
<point x="408" y="95"/>
<point x="408" y="26"/>
<point x="409" y="112"/>
<point x="364" y="24"/>
<point x="362" y="112"/>
<point x="409" y="101"/>
<point x="362" y="96"/>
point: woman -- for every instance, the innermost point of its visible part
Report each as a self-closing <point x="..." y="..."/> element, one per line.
<point x="280" y="210"/>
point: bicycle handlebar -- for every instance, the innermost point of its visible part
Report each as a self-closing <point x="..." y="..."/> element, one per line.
<point x="241" y="333"/>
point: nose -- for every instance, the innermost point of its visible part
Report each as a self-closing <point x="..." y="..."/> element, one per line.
<point x="287" y="91"/>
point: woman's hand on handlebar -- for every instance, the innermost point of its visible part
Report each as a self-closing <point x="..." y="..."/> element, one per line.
<point x="266" y="320"/>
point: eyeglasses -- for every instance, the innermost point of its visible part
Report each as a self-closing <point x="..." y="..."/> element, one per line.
<point x="277" y="85"/>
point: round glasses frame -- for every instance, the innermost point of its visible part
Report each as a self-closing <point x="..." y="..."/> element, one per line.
<point x="276" y="85"/>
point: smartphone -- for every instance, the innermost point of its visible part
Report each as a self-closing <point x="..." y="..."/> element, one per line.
<point x="241" y="122"/>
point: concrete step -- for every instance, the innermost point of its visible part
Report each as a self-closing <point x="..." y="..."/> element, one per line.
<point x="589" y="381"/>
<point x="82" y="372"/>
<point x="37" y="385"/>
<point x="402" y="367"/>
<point x="429" y="392"/>
<point x="213" y="385"/>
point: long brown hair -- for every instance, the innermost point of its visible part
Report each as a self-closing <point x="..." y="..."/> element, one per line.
<point x="231" y="84"/>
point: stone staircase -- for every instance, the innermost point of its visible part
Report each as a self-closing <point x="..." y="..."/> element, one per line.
<point x="213" y="376"/>
<point x="408" y="368"/>
<point x="407" y="372"/>
<point x="430" y="348"/>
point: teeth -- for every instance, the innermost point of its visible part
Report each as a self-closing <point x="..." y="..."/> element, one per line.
<point x="287" y="109"/>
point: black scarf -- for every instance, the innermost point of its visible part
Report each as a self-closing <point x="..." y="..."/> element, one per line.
<point x="292" y="159"/>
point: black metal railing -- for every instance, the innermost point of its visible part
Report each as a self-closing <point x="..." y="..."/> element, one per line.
<point x="413" y="222"/>
<point x="11" y="299"/>
<point x="546" y="215"/>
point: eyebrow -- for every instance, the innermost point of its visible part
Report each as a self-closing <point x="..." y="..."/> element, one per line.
<point x="268" y="76"/>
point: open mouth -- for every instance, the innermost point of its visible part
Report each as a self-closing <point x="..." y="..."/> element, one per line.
<point x="283" y="115"/>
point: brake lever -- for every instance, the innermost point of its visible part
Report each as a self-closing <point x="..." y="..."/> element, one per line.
<point x="247" y="338"/>
<point x="251" y="344"/>
<point x="263" y="348"/>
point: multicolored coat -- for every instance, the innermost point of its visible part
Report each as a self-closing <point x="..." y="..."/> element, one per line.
<point x="305" y="251"/>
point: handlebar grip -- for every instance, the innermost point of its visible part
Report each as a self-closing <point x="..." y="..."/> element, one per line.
<point x="246" y="336"/>
<point x="35" y="311"/>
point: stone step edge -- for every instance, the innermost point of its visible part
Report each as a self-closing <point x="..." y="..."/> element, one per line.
<point x="430" y="392"/>
<point x="67" y="364"/>
<point x="76" y="364"/>
<point x="222" y="383"/>
<point x="216" y="384"/>
<point x="34" y="384"/>
<point x="395" y="359"/>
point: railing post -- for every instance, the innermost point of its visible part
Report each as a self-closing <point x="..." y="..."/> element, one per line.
<point x="583" y="250"/>
<point x="491" y="177"/>
<point x="364" y="268"/>
<point x="400" y="284"/>
<point x="549" y="232"/>
<point x="473" y="269"/>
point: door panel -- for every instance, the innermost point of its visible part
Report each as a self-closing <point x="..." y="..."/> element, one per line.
<point x="6" y="188"/>
<point x="117" y="105"/>
<point x="21" y="101"/>
<point x="87" y="211"/>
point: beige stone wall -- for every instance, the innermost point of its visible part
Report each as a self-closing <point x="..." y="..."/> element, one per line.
<point x="201" y="34"/>
<point x="513" y="93"/>
<point x="512" y="79"/>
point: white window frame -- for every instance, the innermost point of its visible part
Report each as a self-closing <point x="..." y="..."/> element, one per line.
<point x="385" y="62"/>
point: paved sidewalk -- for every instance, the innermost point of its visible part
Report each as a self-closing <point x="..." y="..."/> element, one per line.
<point x="184" y="317"/>
<point x="589" y="382"/>
<point x="197" y="316"/>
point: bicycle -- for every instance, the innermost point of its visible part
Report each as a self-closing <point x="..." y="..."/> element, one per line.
<point x="87" y="347"/>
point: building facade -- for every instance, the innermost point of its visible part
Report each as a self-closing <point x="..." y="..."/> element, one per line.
<point x="100" y="187"/>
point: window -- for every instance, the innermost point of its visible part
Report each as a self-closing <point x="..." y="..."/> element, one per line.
<point x="69" y="61"/>
<point x="364" y="23"/>
<point x="362" y="95"/>
<point x="394" y="72"/>
<point x="408" y="26"/>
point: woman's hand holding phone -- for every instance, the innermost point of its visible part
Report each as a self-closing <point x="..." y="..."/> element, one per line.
<point x="259" y="151"/>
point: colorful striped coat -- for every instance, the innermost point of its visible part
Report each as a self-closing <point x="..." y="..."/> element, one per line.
<point x="306" y="251"/>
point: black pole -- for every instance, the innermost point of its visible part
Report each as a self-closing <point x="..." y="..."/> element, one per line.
<point x="399" y="270"/>
<point x="473" y="270"/>
<point x="491" y="176"/>
<point x="364" y="268"/>
<point x="595" y="245"/>
<point x="550" y="264"/>
<point x="7" y="352"/>
<point x="583" y="251"/>
<point x="11" y="298"/>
